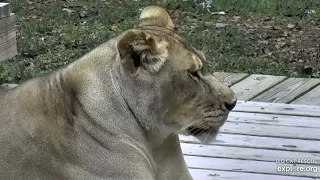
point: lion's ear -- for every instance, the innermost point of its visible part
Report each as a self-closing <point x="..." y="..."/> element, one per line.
<point x="155" y="16"/>
<point x="138" y="49"/>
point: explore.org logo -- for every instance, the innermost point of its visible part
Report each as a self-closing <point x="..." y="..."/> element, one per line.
<point x="297" y="165"/>
<point x="296" y="168"/>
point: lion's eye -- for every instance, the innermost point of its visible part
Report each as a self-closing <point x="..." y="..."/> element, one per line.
<point x="194" y="74"/>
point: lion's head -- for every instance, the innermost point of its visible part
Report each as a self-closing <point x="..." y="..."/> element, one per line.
<point x="171" y="88"/>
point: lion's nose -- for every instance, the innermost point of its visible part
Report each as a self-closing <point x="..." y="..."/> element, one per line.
<point x="230" y="106"/>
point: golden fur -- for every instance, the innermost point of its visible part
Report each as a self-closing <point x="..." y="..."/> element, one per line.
<point x="116" y="112"/>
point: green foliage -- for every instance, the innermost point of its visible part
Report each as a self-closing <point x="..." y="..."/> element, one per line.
<point x="279" y="7"/>
<point x="54" y="33"/>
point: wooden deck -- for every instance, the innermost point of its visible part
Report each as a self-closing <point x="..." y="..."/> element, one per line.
<point x="273" y="89"/>
<point x="277" y="118"/>
<point x="254" y="138"/>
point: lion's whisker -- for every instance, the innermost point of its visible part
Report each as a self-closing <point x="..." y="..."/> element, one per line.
<point x="205" y="140"/>
<point x="183" y="128"/>
<point x="162" y="117"/>
<point x="182" y="123"/>
<point x="201" y="130"/>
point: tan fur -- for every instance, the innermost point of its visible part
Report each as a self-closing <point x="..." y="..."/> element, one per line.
<point x="116" y="112"/>
<point x="153" y="15"/>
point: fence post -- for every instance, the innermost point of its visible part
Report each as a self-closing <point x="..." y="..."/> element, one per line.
<point x="8" y="43"/>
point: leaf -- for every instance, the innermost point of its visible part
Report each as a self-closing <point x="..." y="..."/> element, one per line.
<point x="69" y="11"/>
<point x="290" y="26"/>
<point x="221" y="25"/>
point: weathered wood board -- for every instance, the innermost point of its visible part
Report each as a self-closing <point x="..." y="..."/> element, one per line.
<point x="247" y="141"/>
<point x="271" y="130"/>
<point x="287" y="90"/>
<point x="203" y="174"/>
<point x="8" y="43"/>
<point x="245" y="153"/>
<point x="254" y="85"/>
<point x="249" y="166"/>
<point x="278" y="108"/>
<point x="274" y="119"/>
<point x="4" y="10"/>
<point x="310" y="98"/>
<point x="230" y="78"/>
<point x="254" y="137"/>
<point x="6" y="87"/>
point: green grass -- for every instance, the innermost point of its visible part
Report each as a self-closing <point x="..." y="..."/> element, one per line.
<point x="60" y="37"/>
<point x="280" y="7"/>
<point x="231" y="51"/>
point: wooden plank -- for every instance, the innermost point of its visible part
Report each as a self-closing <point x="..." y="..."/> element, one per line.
<point x="221" y="75"/>
<point x="310" y="98"/>
<point x="254" y="85"/>
<point x="249" y="166"/>
<point x="271" y="131"/>
<point x="203" y="174"/>
<point x="4" y="10"/>
<point x="247" y="153"/>
<point x="7" y="28"/>
<point x="274" y="119"/>
<point x="230" y="78"/>
<point x="287" y="90"/>
<point x="236" y="140"/>
<point x="7" y="87"/>
<point x="278" y="108"/>
<point x="8" y="49"/>
<point x="8" y="44"/>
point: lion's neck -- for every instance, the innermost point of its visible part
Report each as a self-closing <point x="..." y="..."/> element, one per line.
<point x="101" y="103"/>
<point x="98" y="95"/>
<point x="54" y="97"/>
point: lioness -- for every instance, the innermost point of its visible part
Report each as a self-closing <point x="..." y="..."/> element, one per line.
<point x="115" y="113"/>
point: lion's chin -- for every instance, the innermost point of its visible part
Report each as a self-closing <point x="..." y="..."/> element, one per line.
<point x="203" y="135"/>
